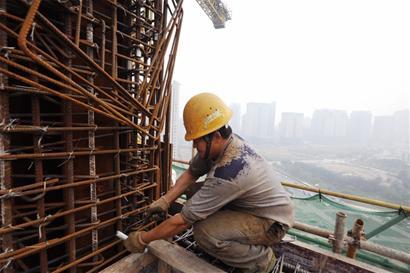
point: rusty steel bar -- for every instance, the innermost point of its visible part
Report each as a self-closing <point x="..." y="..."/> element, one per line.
<point x="39" y="177"/>
<point x="29" y="186"/>
<point x="89" y="61"/>
<point x="91" y="136"/>
<point x="46" y="129"/>
<point x="103" y="30"/>
<point x="167" y="87"/>
<point x="117" y="163"/>
<point x="62" y="66"/>
<point x="159" y="55"/>
<point x="129" y="13"/>
<point x="78" y="26"/>
<point x="68" y="155"/>
<point x="84" y="105"/>
<point x="71" y="71"/>
<point x="55" y="47"/>
<point x="5" y="167"/>
<point x="53" y="144"/>
<point x="109" y="261"/>
<point x="10" y="228"/>
<point x="69" y="193"/>
<point x="22" y="42"/>
<point x="38" y="247"/>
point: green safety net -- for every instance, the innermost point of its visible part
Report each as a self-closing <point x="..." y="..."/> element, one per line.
<point x="320" y="211"/>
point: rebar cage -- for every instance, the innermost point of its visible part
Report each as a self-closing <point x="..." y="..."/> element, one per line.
<point x="85" y="90"/>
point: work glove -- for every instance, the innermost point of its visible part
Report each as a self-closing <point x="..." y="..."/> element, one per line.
<point x="157" y="207"/>
<point x="134" y="242"/>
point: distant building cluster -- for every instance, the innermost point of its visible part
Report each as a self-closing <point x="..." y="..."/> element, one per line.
<point x="360" y="127"/>
<point x="326" y="126"/>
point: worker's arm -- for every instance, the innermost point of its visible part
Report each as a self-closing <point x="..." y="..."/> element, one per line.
<point x="170" y="227"/>
<point x="182" y="183"/>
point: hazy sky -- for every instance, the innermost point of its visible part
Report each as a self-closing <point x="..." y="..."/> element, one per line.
<point x="303" y="54"/>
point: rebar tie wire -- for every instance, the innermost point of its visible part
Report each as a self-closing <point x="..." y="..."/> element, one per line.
<point x="9" y="261"/>
<point x="44" y="131"/>
<point x="10" y="125"/>
<point x="14" y="228"/>
<point x="65" y="161"/>
<point x="40" y="235"/>
<point x="11" y="193"/>
<point x="33" y="29"/>
<point x="6" y="49"/>
<point x="35" y="198"/>
<point x="117" y="154"/>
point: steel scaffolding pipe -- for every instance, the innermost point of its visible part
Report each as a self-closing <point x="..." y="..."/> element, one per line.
<point x="362" y="244"/>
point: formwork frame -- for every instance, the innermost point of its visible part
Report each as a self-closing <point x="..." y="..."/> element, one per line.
<point x="85" y="88"/>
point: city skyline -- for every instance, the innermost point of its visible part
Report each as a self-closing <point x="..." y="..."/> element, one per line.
<point x="261" y="122"/>
<point x="241" y="107"/>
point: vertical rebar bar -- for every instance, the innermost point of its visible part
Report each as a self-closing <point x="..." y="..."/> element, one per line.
<point x="114" y="30"/>
<point x="91" y="134"/>
<point x="103" y="31"/>
<point x="117" y="158"/>
<point x="5" y="166"/>
<point x="39" y="178"/>
<point x="78" y="25"/>
<point x="69" y="194"/>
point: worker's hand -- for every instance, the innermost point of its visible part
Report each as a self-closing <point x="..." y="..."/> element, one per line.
<point x="157" y="207"/>
<point x="134" y="242"/>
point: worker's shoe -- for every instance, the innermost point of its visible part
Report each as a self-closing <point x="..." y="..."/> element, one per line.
<point x="271" y="263"/>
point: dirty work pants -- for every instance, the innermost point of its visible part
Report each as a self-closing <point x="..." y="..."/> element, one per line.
<point x="238" y="239"/>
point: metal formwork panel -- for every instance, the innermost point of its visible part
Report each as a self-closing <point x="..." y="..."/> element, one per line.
<point x="85" y="87"/>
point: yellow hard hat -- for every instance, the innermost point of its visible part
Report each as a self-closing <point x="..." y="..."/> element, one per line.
<point x="203" y="114"/>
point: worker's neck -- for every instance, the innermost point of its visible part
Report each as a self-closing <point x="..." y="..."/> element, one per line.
<point x="220" y="146"/>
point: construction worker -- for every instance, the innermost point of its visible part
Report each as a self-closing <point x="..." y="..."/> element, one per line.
<point x="240" y="211"/>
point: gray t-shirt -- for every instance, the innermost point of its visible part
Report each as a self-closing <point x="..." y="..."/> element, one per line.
<point x="240" y="180"/>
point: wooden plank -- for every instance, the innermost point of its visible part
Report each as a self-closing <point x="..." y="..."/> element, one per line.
<point x="163" y="267"/>
<point x="132" y="263"/>
<point x="180" y="259"/>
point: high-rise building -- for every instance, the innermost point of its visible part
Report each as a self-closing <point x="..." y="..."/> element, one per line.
<point x="291" y="127"/>
<point x="382" y="130"/>
<point x="360" y="125"/>
<point x="329" y="125"/>
<point x="235" y="122"/>
<point x="259" y="121"/>
<point x="401" y="126"/>
<point x="175" y="118"/>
